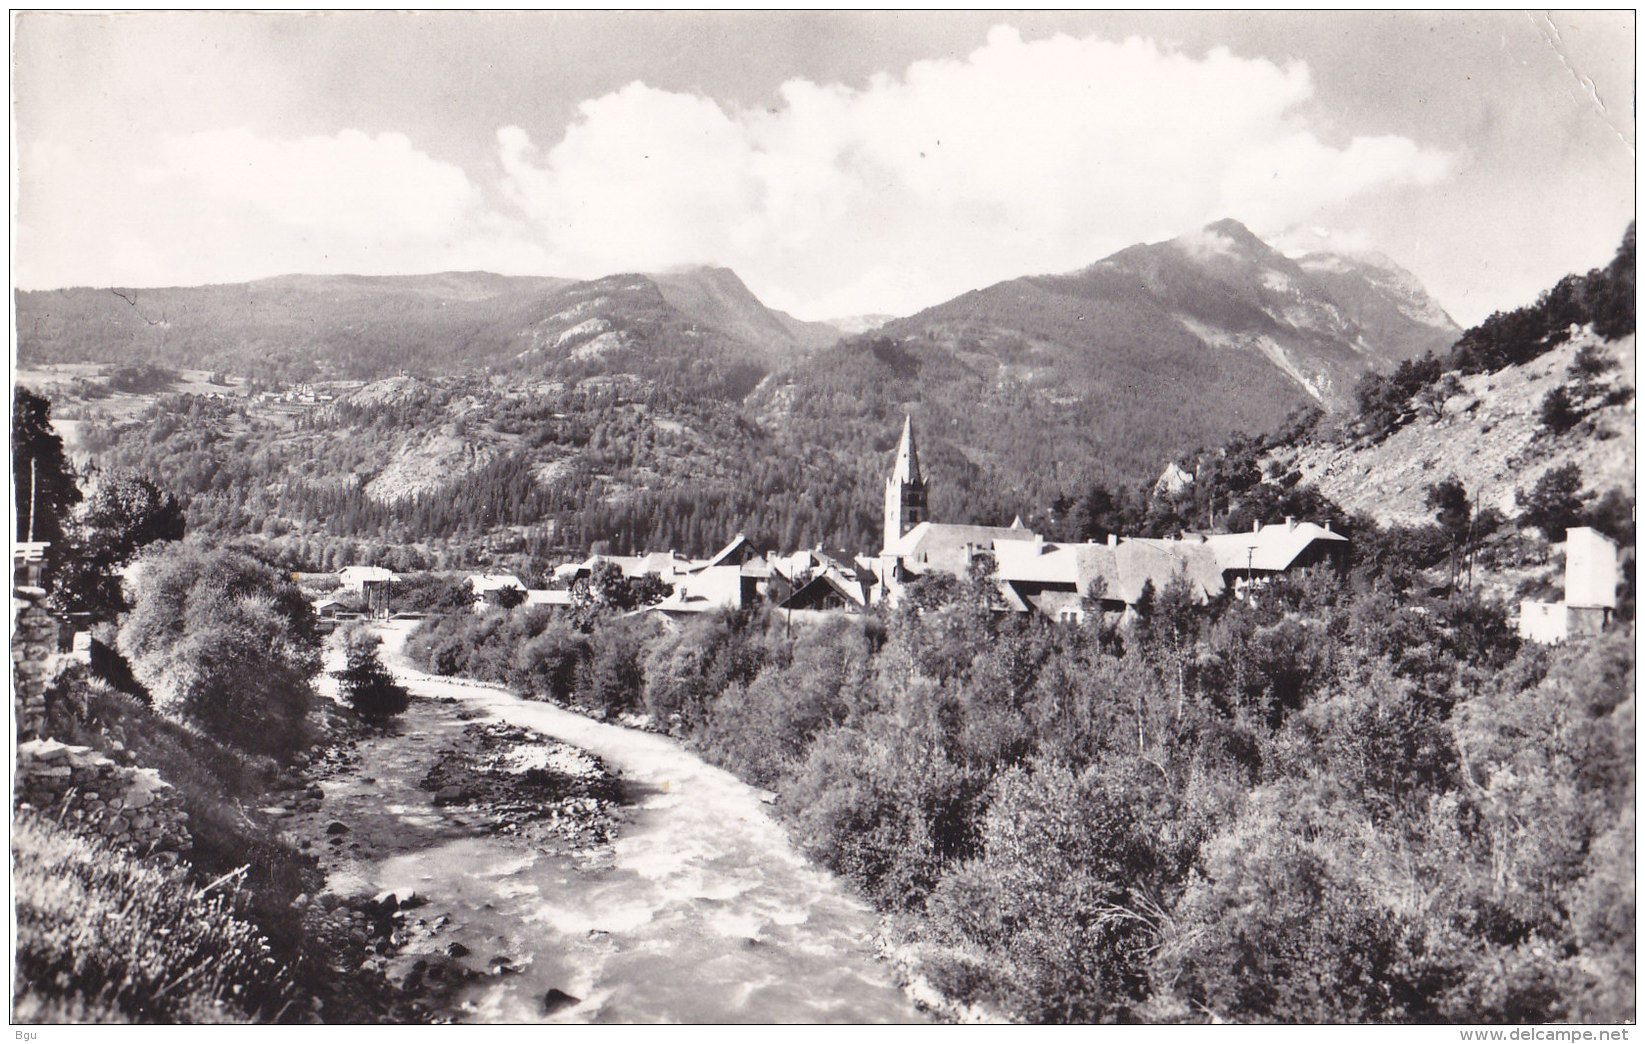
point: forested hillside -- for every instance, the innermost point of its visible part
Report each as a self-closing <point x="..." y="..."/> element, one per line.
<point x="617" y="410"/>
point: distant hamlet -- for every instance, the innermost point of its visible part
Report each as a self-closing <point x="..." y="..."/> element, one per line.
<point x="1203" y="636"/>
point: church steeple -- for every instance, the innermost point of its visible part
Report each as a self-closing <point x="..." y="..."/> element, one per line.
<point x="905" y="504"/>
<point x="908" y="457"/>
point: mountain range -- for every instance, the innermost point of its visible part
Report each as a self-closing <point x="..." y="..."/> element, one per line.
<point x="1023" y="390"/>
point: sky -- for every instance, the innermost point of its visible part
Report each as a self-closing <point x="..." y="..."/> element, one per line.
<point x="842" y="163"/>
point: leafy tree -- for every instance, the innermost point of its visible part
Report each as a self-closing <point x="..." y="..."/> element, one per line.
<point x="1555" y="503"/>
<point x="1448" y="499"/>
<point x="1434" y="397"/>
<point x="1060" y="897"/>
<point x="367" y="685"/>
<point x="226" y="644"/>
<point x="507" y="597"/>
<point x="123" y="514"/>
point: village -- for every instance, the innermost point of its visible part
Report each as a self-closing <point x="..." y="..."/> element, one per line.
<point x="1025" y="573"/>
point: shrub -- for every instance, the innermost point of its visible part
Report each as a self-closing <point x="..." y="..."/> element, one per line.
<point x="1555" y="503"/>
<point x="99" y="932"/>
<point x="226" y="644"/>
<point x="1056" y="895"/>
<point x="367" y="685"/>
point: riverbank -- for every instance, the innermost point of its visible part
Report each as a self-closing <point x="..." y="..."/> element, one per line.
<point x="440" y="775"/>
<point x="705" y="915"/>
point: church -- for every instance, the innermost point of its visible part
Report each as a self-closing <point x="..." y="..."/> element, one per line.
<point x="1064" y="581"/>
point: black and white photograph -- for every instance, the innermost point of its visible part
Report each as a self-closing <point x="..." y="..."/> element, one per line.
<point x="778" y="517"/>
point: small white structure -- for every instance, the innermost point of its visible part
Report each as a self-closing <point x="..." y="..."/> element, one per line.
<point x="1590" y="569"/>
<point x="355" y="578"/>
<point x="1591" y="574"/>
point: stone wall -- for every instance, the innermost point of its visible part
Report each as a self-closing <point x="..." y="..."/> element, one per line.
<point x="33" y="641"/>
<point x="131" y="807"/>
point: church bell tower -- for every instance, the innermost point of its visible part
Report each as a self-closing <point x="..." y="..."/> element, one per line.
<point x="905" y="505"/>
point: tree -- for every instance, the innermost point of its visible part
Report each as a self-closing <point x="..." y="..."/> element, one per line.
<point x="122" y="514"/>
<point x="1449" y="502"/>
<point x="226" y="644"/>
<point x="1557" y="413"/>
<point x="507" y="597"/>
<point x="367" y="685"/>
<point x="1555" y="503"/>
<point x="1434" y="397"/>
<point x="41" y="475"/>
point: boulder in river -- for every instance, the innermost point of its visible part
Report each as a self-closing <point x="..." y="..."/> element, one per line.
<point x="558" y="1000"/>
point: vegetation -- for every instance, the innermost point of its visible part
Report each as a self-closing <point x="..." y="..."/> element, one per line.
<point x="367" y="685"/>
<point x="226" y="644"/>
<point x="42" y="478"/>
<point x="1604" y="298"/>
<point x="1343" y="802"/>
<point x="102" y="937"/>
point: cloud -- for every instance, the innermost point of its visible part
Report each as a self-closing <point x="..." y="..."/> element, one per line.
<point x="886" y="196"/>
<point x="1020" y="157"/>
<point x="227" y="204"/>
<point x="349" y="185"/>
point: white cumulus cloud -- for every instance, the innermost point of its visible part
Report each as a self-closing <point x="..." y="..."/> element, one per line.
<point x="1020" y="157"/>
<point x="349" y="184"/>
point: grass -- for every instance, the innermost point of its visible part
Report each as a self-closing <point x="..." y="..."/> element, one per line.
<point x="103" y="937"/>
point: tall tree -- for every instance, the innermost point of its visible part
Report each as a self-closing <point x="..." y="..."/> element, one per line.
<point x="41" y="474"/>
<point x="122" y="514"/>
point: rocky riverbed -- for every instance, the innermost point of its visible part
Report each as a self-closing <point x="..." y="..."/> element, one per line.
<point x="440" y="776"/>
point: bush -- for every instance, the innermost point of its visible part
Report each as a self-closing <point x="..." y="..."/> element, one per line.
<point x="99" y="933"/>
<point x="367" y="685"/>
<point x="1056" y="896"/>
<point x="226" y="644"/>
<point x="1555" y="503"/>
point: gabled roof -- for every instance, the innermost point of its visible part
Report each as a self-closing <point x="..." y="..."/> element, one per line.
<point x="827" y="580"/>
<point x="484" y="583"/>
<point x="938" y="537"/>
<point x="1271" y="548"/>
<point x="739" y="545"/>
<point x="364" y="573"/>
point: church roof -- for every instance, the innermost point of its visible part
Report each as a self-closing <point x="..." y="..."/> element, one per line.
<point x="937" y="537"/>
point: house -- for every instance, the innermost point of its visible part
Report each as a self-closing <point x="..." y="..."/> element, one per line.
<point x="354" y="578"/>
<point x="375" y="585"/>
<point x="1273" y="549"/>
<point x="1591" y="574"/>
<point x="1063" y="581"/>
<point x="485" y="585"/>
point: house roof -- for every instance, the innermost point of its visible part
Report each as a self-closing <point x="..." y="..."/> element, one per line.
<point x="738" y="544"/>
<point x="830" y="579"/>
<point x="1119" y="572"/>
<point x="1271" y="548"/>
<point x="484" y="583"/>
<point x="549" y="597"/>
<point x="366" y="573"/>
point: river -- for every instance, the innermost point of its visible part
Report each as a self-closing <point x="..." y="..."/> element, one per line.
<point x="708" y="915"/>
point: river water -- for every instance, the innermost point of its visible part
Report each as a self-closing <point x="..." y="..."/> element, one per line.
<point x="707" y="916"/>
